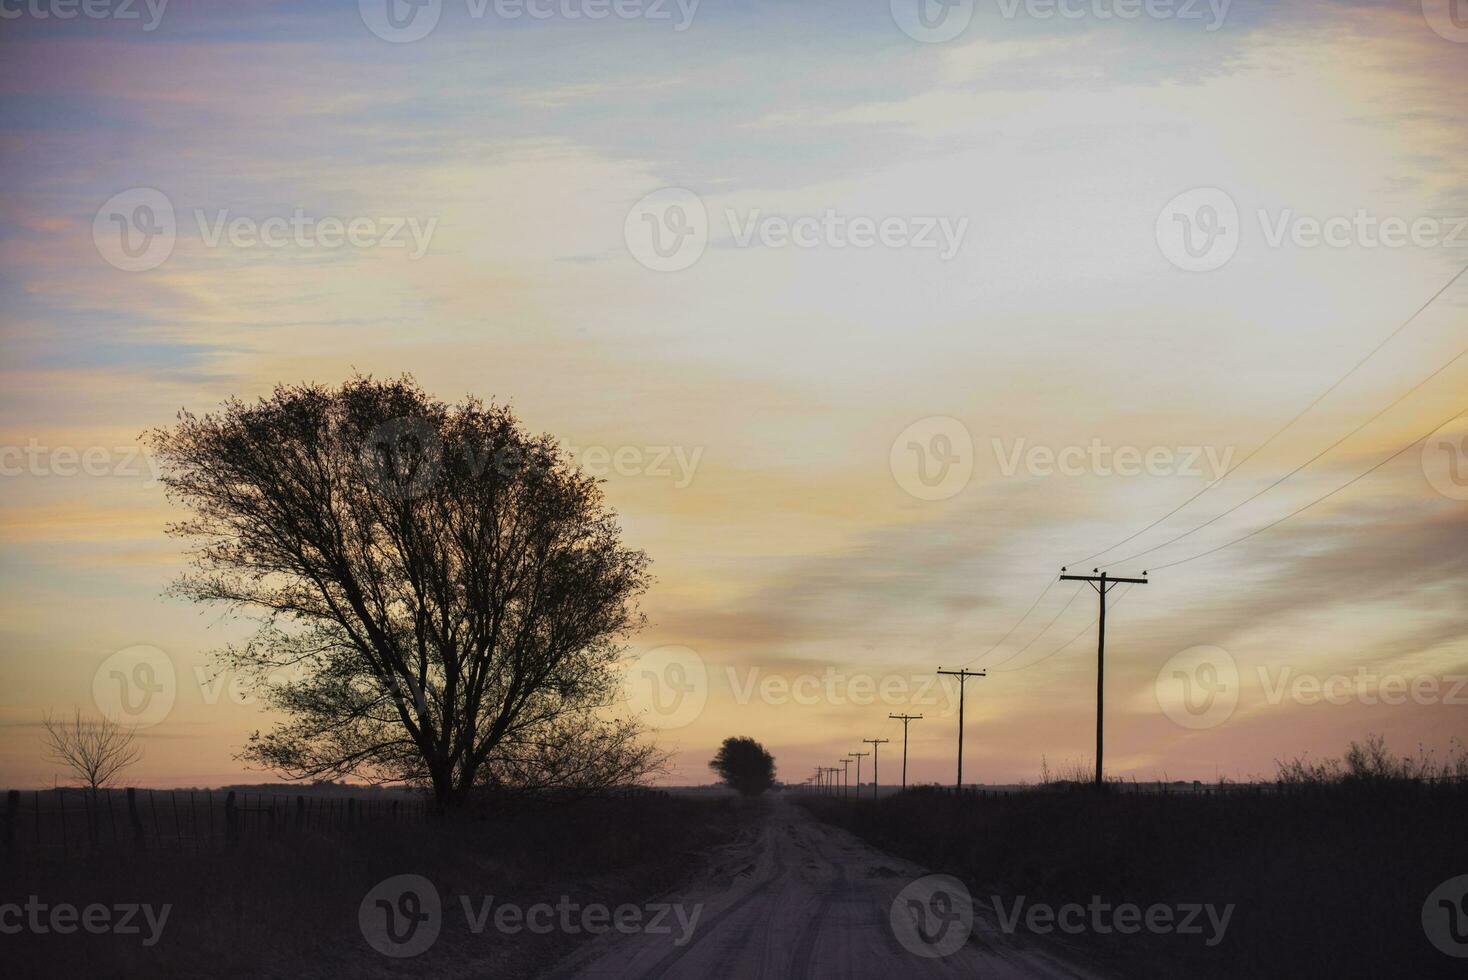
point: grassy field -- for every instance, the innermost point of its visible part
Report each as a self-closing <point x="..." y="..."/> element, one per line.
<point x="1327" y="873"/>
<point x="286" y="904"/>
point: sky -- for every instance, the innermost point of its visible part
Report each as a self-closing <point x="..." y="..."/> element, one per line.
<point x="872" y="317"/>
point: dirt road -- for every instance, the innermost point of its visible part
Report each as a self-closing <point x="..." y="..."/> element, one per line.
<point x="798" y="898"/>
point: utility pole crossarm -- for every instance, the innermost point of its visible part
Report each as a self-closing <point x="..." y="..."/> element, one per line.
<point x="1102" y="583"/>
<point x="874" y="743"/>
<point x="963" y="676"/>
<point x="905" y="718"/>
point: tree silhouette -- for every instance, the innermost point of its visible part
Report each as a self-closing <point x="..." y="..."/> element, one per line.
<point x="96" y="752"/>
<point x="444" y="591"/>
<point x="744" y="765"/>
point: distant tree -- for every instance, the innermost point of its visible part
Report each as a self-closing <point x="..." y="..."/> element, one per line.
<point x="96" y="752"/>
<point x="744" y="765"/>
<point x="445" y="592"/>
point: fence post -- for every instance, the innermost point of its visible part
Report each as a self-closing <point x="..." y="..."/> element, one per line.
<point x="12" y="814"/>
<point x="231" y="820"/>
<point x="135" y="818"/>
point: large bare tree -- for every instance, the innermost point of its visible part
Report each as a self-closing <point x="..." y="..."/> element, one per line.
<point x="96" y="752"/>
<point x="446" y="593"/>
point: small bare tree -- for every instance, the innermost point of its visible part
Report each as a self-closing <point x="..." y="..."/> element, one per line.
<point x="95" y="751"/>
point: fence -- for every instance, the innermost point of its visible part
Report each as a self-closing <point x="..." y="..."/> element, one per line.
<point x="65" y="819"/>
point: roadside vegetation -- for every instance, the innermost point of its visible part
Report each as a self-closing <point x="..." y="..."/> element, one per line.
<point x="287" y="904"/>
<point x="1327" y="865"/>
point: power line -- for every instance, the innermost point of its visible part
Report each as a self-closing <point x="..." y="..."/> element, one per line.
<point x="1400" y="398"/>
<point x="1301" y="510"/>
<point x="1084" y="630"/>
<point x="1000" y="642"/>
<point x="1054" y="619"/>
<point x="1282" y="429"/>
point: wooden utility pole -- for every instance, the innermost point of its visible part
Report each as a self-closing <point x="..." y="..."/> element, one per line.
<point x="858" y="756"/>
<point x="873" y="742"/>
<point x="963" y="676"/>
<point x="905" y="719"/>
<point x="1102" y="583"/>
<point x="845" y="782"/>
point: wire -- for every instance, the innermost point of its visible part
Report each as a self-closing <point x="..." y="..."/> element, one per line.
<point x="1089" y="626"/>
<point x="1055" y="619"/>
<point x="1282" y="429"/>
<point x="1000" y="642"/>
<point x="1301" y="510"/>
<point x="1400" y="398"/>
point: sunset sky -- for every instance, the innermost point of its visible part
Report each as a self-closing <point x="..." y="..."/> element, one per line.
<point x="763" y="398"/>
